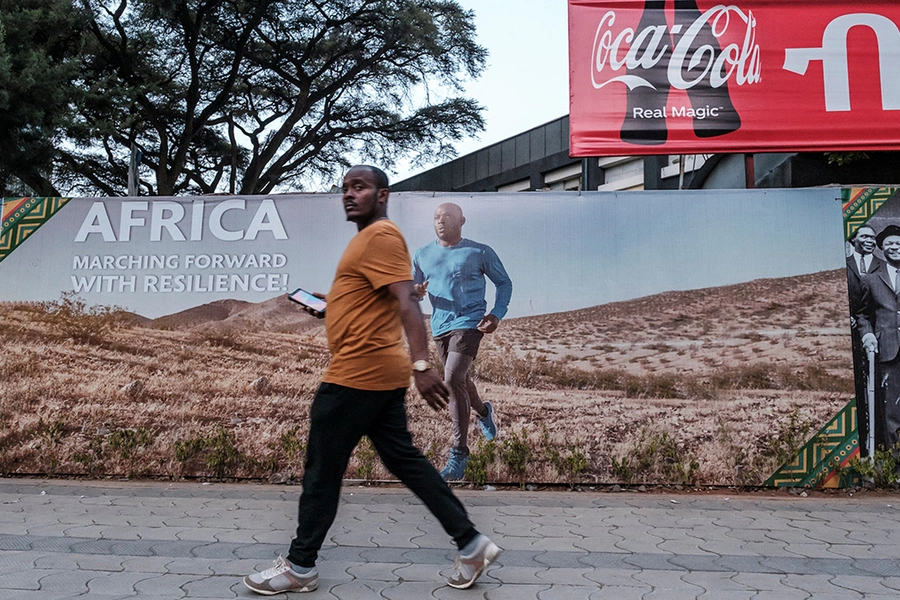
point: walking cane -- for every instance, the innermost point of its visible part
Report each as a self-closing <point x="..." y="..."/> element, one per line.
<point x="870" y="404"/>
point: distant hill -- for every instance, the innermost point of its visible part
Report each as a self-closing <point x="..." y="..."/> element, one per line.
<point x="277" y="314"/>
<point x="804" y="303"/>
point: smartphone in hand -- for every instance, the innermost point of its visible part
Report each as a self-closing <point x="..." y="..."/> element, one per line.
<point x="305" y="299"/>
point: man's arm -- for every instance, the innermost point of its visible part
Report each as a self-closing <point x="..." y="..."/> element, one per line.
<point x="495" y="271"/>
<point x="865" y="321"/>
<point x="429" y="383"/>
<point x="420" y="284"/>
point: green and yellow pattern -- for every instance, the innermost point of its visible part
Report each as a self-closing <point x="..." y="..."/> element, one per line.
<point x="22" y="217"/>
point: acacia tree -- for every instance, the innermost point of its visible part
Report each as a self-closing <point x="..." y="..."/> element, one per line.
<point x="249" y="96"/>
<point x="40" y="45"/>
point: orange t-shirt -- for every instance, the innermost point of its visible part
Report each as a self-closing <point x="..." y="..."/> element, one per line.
<point x="362" y="320"/>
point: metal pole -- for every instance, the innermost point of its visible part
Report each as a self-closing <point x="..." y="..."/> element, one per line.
<point x="749" y="172"/>
<point x="870" y="404"/>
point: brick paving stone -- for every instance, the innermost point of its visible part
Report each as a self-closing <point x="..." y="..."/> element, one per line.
<point x="823" y="532"/>
<point x="215" y="587"/>
<point x="334" y="572"/>
<point x="145" y="564"/>
<point x="556" y="544"/>
<point x="22" y="580"/>
<point x="412" y="590"/>
<point x="862" y="584"/>
<point x="853" y="551"/>
<point x="190" y="566"/>
<point x="567" y="592"/>
<point x="783" y="595"/>
<point x="361" y="590"/>
<point x="615" y="592"/>
<point x="375" y="572"/>
<point x="715" y="594"/>
<point x="519" y="575"/>
<point x="810" y="550"/>
<point x="115" y="584"/>
<point x="617" y="578"/>
<point x="58" y="562"/>
<point x="818" y="585"/>
<point x="418" y="572"/>
<point x="722" y="582"/>
<point x="165" y="585"/>
<point x="235" y="567"/>
<point x="72" y="582"/>
<point x="672" y="581"/>
<point x="565" y="576"/>
<point x="762" y="582"/>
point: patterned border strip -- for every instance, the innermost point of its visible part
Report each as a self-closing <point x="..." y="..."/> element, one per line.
<point x="22" y="217"/>
<point x="859" y="204"/>
<point x="839" y="475"/>
<point x="806" y="468"/>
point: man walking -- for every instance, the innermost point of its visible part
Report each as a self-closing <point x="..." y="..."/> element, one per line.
<point x="452" y="271"/>
<point x="363" y="390"/>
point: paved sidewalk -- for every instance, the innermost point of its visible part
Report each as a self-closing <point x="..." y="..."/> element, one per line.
<point x="110" y="540"/>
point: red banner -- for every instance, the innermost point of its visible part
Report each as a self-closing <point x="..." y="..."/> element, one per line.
<point x="686" y="77"/>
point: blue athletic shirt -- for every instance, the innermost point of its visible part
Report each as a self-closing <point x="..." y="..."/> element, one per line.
<point x="456" y="284"/>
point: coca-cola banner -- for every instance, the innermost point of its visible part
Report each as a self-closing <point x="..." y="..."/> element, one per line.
<point x="687" y="76"/>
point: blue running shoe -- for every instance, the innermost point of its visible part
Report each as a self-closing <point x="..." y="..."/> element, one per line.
<point x="456" y="466"/>
<point x="488" y="424"/>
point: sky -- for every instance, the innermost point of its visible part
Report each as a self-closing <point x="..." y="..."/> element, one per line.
<point x="526" y="81"/>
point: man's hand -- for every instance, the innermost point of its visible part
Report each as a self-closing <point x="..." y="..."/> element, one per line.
<point x="432" y="388"/>
<point x="870" y="342"/>
<point x="429" y="383"/>
<point x="420" y="289"/>
<point x="317" y="314"/>
<point x="488" y="324"/>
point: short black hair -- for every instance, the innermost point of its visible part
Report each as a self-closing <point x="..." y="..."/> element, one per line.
<point x="381" y="178"/>
<point x="863" y="226"/>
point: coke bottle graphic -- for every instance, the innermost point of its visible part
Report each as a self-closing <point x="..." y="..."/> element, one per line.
<point x="703" y="94"/>
<point x="645" y="118"/>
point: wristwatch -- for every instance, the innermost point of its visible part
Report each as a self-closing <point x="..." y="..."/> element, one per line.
<point x="422" y="365"/>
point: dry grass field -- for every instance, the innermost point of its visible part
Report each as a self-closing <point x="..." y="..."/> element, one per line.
<point x="715" y="386"/>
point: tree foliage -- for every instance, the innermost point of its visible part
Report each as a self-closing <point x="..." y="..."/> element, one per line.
<point x="251" y="97"/>
<point x="40" y="43"/>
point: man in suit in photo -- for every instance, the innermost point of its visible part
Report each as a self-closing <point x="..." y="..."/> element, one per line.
<point x="860" y="262"/>
<point x="878" y="320"/>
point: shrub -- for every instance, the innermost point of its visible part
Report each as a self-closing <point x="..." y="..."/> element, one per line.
<point x="365" y="459"/>
<point x="49" y="437"/>
<point x="480" y="461"/>
<point x="570" y="464"/>
<point x="82" y="323"/>
<point x="879" y="469"/>
<point x="218" y="451"/>
<point x="656" y="456"/>
<point x="516" y="454"/>
<point x="129" y="443"/>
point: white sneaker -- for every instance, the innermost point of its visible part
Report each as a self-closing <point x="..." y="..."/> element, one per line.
<point x="469" y="568"/>
<point x="282" y="578"/>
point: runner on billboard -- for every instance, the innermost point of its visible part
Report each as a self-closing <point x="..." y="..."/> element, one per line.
<point x="452" y="271"/>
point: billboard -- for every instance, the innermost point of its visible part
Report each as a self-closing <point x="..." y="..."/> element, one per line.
<point x="654" y="337"/>
<point x="687" y="76"/>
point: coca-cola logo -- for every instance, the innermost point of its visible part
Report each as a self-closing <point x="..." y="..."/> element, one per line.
<point x="688" y="56"/>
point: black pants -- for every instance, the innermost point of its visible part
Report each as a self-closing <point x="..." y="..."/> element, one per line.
<point x="339" y="417"/>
